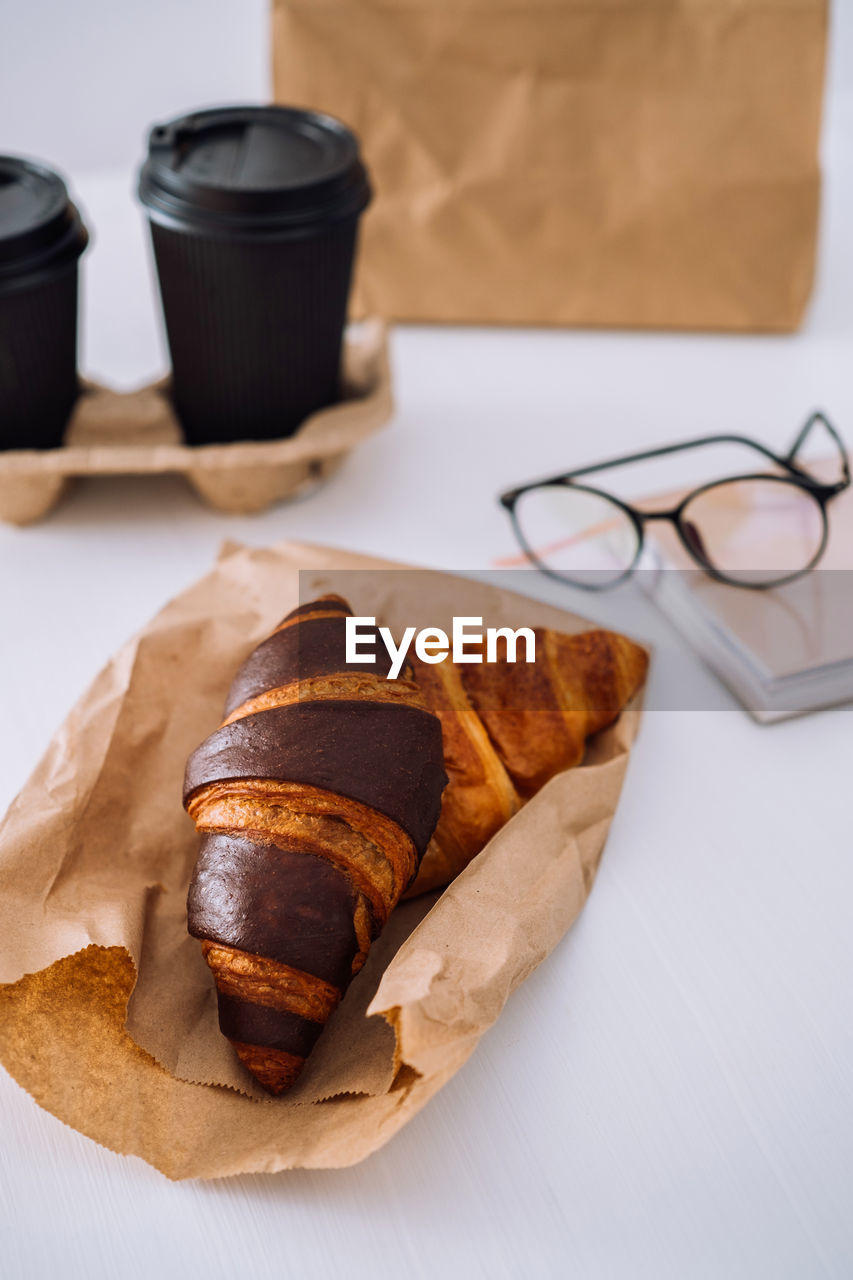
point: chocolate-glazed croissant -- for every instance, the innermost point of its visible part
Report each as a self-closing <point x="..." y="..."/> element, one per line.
<point x="316" y="797"/>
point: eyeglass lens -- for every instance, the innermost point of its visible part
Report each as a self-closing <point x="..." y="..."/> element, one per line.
<point x="755" y="530"/>
<point x="577" y="533"/>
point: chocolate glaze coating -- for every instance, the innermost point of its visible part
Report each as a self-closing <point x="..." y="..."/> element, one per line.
<point x="296" y="908"/>
<point x="271" y="1028"/>
<point x="323" y="605"/>
<point x="385" y="755"/>
<point x="315" y="647"/>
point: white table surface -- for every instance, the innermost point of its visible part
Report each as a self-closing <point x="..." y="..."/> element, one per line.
<point x="671" y="1093"/>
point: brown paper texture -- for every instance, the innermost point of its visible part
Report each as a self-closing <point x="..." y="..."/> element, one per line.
<point x="137" y="433"/>
<point x="640" y="163"/>
<point x="107" y="1012"/>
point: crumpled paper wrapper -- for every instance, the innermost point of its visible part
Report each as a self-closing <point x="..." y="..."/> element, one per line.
<point x="137" y="433"/>
<point x="108" y="1012"/>
<point x="640" y="163"/>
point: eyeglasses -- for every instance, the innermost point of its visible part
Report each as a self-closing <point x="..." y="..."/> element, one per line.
<point x="754" y="530"/>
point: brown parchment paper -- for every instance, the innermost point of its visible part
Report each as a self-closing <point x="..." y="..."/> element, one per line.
<point x="641" y="163"/>
<point x="107" y="1011"/>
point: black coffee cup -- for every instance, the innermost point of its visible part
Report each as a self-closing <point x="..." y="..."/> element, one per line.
<point x="41" y="239"/>
<point x="254" y="215"/>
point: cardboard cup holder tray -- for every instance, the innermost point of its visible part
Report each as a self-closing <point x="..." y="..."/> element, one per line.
<point x="137" y="433"/>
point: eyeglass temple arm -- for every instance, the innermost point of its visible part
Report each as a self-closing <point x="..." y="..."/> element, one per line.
<point x="661" y="452"/>
<point x="819" y="417"/>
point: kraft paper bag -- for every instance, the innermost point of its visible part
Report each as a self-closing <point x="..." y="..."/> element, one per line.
<point x="107" y="1009"/>
<point x="639" y="163"/>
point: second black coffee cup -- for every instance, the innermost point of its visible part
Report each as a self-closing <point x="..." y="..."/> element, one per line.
<point x="254" y="215"/>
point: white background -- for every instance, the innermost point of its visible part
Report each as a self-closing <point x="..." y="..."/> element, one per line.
<point x="684" y="1057"/>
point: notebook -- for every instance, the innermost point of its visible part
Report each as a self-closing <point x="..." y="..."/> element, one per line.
<point x="782" y="652"/>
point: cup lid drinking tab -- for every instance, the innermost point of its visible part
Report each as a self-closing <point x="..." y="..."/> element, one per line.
<point x="258" y="170"/>
<point x="40" y="229"/>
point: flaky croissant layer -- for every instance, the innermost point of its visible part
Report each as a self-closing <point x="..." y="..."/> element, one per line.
<point x="510" y="727"/>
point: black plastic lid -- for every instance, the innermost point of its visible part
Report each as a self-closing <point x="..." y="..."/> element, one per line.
<point x="40" y="229"/>
<point x="268" y="170"/>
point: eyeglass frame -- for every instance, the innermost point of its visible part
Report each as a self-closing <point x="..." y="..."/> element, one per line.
<point x="796" y="476"/>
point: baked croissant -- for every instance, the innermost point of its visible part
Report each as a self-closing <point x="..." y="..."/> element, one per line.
<point x="316" y="797"/>
<point x="510" y="727"/>
<point x="480" y="796"/>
